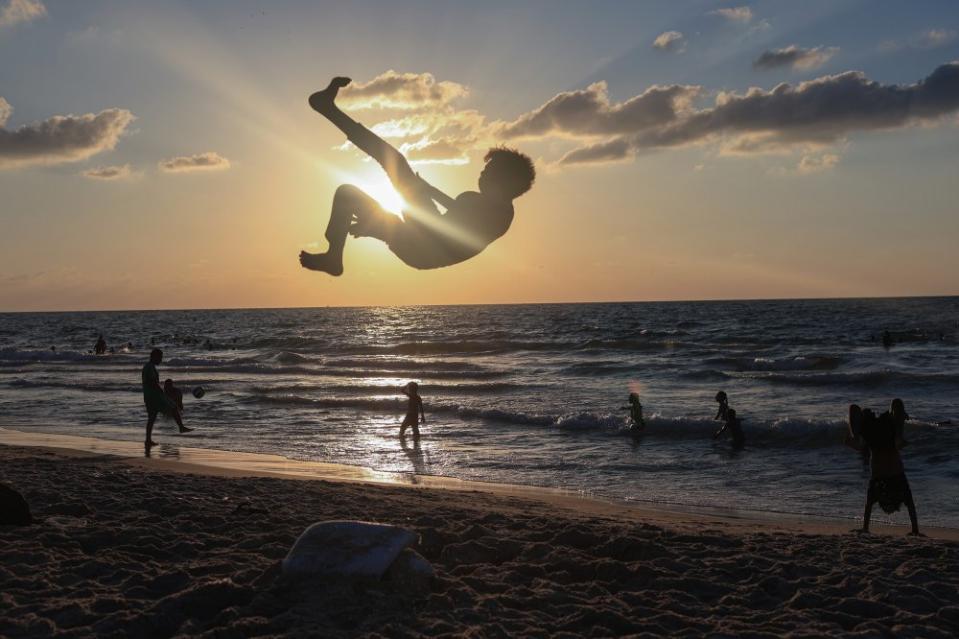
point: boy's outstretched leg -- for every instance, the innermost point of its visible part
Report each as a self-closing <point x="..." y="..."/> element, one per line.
<point x="348" y="201"/>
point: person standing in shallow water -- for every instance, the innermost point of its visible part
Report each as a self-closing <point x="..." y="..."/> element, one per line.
<point x="735" y="428"/>
<point x="424" y="238"/>
<point x="723" y="405"/>
<point x="414" y="410"/>
<point x="155" y="398"/>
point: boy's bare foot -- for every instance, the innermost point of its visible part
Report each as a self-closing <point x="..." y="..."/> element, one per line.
<point x="184" y="429"/>
<point x="321" y="101"/>
<point x="322" y="262"/>
<point x="149" y="442"/>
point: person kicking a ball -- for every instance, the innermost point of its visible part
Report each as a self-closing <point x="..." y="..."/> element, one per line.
<point x="424" y="238"/>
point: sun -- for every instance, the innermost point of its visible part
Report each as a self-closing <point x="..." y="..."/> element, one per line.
<point x="373" y="181"/>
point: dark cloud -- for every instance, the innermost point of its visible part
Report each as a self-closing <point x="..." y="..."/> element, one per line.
<point x="209" y="161"/>
<point x="108" y="172"/>
<point x="816" y="112"/>
<point x="589" y="113"/>
<point x="62" y="138"/>
<point x="795" y="57"/>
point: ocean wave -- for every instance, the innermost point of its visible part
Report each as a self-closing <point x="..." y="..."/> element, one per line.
<point x="795" y="363"/>
<point x="481" y="388"/>
<point x="857" y="378"/>
<point x="28" y="356"/>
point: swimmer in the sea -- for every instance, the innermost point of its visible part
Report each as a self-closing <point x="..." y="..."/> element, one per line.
<point x="414" y="410"/>
<point x="723" y="405"/>
<point x="735" y="428"/>
<point x="637" y="423"/>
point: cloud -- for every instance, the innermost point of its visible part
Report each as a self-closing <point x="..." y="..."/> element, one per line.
<point x="672" y="41"/>
<point x="61" y="138"/>
<point x="209" y="161"/>
<point x="108" y="172"/>
<point x="735" y="14"/>
<point x="928" y="39"/>
<point x="817" y="163"/>
<point x="936" y="38"/>
<point x="588" y="112"/>
<point x="16" y="11"/>
<point x="442" y="151"/>
<point x="406" y="91"/>
<point x="784" y="119"/>
<point x="5" y="111"/>
<point x="796" y="57"/>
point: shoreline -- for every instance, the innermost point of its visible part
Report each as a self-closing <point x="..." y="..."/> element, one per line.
<point x="223" y="463"/>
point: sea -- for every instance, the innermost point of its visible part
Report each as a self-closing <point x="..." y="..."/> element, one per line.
<point x="529" y="394"/>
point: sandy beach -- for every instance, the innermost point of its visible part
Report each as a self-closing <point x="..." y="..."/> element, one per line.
<point x="159" y="547"/>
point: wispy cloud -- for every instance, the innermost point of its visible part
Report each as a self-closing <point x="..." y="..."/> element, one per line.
<point x="671" y="41"/>
<point x="17" y="11"/>
<point x="735" y="14"/>
<point x="795" y="57"/>
<point x="209" y="161"/>
<point x="928" y="39"/>
<point x="108" y="172"/>
<point x="61" y="138"/>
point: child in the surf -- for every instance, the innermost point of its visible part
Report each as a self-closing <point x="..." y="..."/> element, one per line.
<point x="723" y="405"/>
<point x="735" y="428"/>
<point x="174" y="394"/>
<point x="414" y="410"/>
<point x="637" y="423"/>
<point x="888" y="485"/>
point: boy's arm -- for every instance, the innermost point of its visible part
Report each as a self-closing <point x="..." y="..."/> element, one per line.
<point x="436" y="195"/>
<point x="721" y="430"/>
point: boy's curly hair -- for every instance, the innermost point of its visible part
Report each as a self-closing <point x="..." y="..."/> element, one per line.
<point x="512" y="169"/>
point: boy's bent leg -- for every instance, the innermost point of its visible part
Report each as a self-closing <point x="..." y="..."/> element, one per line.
<point x="347" y="202"/>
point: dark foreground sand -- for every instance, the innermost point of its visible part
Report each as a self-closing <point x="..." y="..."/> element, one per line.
<point x="126" y="548"/>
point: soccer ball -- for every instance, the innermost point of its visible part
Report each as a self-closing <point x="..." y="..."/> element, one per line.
<point x="198" y="392"/>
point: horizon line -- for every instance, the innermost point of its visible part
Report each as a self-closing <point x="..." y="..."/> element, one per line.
<point x="581" y="302"/>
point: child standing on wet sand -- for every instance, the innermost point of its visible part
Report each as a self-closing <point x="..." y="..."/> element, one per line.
<point x="635" y="413"/>
<point x="414" y="410"/>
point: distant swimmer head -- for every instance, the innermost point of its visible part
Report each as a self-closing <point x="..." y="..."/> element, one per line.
<point x="507" y="172"/>
<point x="412" y="388"/>
<point x="721" y="396"/>
<point x="634" y="398"/>
<point x="156" y="356"/>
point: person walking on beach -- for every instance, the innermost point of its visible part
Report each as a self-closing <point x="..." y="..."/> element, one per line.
<point x="155" y="398"/>
<point x="637" y="423"/>
<point x="735" y="428"/>
<point x="888" y="485"/>
<point x="414" y="410"/>
<point x="424" y="238"/>
<point x="723" y="405"/>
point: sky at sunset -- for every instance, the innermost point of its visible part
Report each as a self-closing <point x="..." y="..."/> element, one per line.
<point x="163" y="155"/>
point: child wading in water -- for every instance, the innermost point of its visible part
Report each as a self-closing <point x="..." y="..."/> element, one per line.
<point x="723" y="405"/>
<point x="735" y="428"/>
<point x="635" y="413"/>
<point x="414" y="410"/>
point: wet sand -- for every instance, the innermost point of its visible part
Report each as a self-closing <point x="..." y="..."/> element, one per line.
<point x="128" y="546"/>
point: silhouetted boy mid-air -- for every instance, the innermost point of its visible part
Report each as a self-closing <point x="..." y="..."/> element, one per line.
<point x="424" y="238"/>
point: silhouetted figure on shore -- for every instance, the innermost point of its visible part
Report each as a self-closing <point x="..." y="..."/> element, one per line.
<point x="174" y="394"/>
<point x="723" y="405"/>
<point x="888" y="485"/>
<point x="637" y="423"/>
<point x="155" y="398"/>
<point x="414" y="410"/>
<point x="424" y="238"/>
<point x="735" y="428"/>
<point x="100" y="347"/>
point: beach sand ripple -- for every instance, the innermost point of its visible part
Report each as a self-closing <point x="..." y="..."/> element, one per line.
<point x="124" y="550"/>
